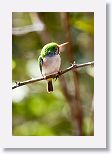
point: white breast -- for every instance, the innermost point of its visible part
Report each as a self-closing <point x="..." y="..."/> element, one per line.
<point x="51" y="65"/>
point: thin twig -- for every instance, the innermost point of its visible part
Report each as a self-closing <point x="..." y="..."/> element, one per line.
<point x="54" y="75"/>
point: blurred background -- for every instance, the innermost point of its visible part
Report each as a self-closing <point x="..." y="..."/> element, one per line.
<point x="69" y="110"/>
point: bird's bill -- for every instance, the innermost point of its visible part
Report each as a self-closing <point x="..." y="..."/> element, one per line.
<point x="63" y="44"/>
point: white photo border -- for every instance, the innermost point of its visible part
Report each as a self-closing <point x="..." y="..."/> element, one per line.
<point x="99" y="138"/>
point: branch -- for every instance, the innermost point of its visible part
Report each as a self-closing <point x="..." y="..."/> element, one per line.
<point x="54" y="75"/>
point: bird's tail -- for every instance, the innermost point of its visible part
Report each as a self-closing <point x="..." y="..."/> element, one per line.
<point x="49" y="86"/>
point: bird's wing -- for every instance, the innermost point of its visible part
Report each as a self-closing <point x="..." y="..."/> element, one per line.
<point x="40" y="62"/>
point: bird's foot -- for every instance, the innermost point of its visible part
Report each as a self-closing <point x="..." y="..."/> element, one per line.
<point x="45" y="77"/>
<point x="57" y="76"/>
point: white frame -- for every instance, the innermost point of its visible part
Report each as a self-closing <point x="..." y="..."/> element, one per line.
<point x="99" y="138"/>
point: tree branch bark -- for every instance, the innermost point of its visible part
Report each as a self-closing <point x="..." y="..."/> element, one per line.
<point x="73" y="66"/>
<point x="75" y="101"/>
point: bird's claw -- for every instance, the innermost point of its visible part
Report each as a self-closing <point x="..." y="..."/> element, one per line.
<point x="45" y="77"/>
<point x="57" y="76"/>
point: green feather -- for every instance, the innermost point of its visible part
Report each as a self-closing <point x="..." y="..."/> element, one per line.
<point x="50" y="47"/>
<point x="40" y="62"/>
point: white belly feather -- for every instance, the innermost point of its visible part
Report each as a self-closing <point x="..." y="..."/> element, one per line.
<point x="51" y="65"/>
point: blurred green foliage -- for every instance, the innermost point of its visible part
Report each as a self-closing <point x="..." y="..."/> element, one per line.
<point x="34" y="111"/>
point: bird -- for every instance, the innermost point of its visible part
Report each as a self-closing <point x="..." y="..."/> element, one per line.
<point x="49" y="61"/>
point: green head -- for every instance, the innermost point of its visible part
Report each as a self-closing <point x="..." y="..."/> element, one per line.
<point x="51" y="48"/>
